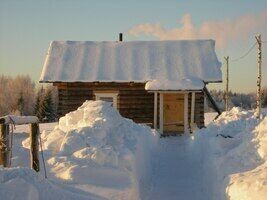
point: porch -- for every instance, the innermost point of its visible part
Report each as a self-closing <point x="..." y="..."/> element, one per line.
<point x="175" y="111"/>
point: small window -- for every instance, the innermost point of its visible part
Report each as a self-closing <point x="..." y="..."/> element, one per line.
<point x="109" y="97"/>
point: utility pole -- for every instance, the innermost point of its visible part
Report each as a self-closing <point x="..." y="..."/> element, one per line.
<point x="258" y="101"/>
<point x="227" y="84"/>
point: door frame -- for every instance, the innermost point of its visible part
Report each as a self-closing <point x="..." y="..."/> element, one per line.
<point x="159" y="126"/>
<point x="161" y="99"/>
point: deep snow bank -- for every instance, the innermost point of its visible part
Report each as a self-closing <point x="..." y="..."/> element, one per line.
<point x="252" y="184"/>
<point x="236" y="153"/>
<point x="26" y="184"/>
<point x="95" y="145"/>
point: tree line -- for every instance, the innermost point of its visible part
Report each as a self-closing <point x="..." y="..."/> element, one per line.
<point x="21" y="96"/>
<point x="246" y="101"/>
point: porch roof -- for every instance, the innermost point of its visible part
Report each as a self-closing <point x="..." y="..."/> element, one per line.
<point x="192" y="83"/>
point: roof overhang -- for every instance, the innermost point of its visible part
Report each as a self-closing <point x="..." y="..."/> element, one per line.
<point x="174" y="91"/>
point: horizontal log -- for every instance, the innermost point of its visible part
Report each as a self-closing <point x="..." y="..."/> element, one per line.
<point x="95" y="87"/>
<point x="140" y="120"/>
<point x="75" y="98"/>
<point x="136" y="102"/>
<point x="138" y="97"/>
<point x="151" y="108"/>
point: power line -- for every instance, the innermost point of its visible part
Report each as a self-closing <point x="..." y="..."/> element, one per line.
<point x="243" y="56"/>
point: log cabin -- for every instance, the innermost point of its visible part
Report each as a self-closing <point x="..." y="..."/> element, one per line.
<point x="160" y="83"/>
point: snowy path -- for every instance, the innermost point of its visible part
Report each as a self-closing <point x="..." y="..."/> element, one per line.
<point x="177" y="172"/>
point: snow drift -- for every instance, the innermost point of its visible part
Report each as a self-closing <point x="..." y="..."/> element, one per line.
<point x="95" y="145"/>
<point x="252" y="184"/>
<point x="235" y="146"/>
<point x="26" y="184"/>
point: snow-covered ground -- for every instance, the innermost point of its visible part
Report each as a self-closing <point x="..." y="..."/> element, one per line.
<point x="235" y="145"/>
<point x="94" y="153"/>
<point x="178" y="171"/>
<point x="209" y="117"/>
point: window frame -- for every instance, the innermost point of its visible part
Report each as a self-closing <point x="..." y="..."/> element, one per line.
<point x="113" y="95"/>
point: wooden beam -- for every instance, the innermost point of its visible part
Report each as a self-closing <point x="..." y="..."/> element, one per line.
<point x="213" y="103"/>
<point x="186" y="113"/>
<point x="161" y="112"/>
<point x="174" y="91"/>
<point x="34" y="134"/>
<point x="155" y="110"/>
<point x="4" y="145"/>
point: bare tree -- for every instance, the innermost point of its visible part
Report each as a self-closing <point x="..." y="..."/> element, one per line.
<point x="14" y="92"/>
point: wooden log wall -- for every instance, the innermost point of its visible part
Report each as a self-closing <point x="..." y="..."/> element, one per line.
<point x="199" y="109"/>
<point x="133" y="100"/>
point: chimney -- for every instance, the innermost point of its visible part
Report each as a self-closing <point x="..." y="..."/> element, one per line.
<point x="120" y="37"/>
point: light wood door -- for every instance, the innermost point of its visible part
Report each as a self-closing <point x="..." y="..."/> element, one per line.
<point x="173" y="113"/>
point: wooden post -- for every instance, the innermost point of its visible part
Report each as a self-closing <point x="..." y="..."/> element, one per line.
<point x="192" y="115"/>
<point x="4" y="145"/>
<point x="161" y="113"/>
<point x="258" y="101"/>
<point x="120" y="37"/>
<point x="155" y="110"/>
<point x="34" y="134"/>
<point x="186" y="113"/>
<point x="227" y="84"/>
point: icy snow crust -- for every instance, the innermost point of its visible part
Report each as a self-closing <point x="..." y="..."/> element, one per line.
<point x="138" y="61"/>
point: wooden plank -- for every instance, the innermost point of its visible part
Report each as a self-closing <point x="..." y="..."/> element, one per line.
<point x="105" y="91"/>
<point x="185" y="112"/>
<point x="135" y="113"/>
<point x="192" y="114"/>
<point x="137" y="101"/>
<point x="139" y="98"/>
<point x="161" y="112"/>
<point x="155" y="109"/>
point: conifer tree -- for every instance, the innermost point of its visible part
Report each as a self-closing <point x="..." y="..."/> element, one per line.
<point x="47" y="107"/>
<point x="37" y="109"/>
<point x="20" y="104"/>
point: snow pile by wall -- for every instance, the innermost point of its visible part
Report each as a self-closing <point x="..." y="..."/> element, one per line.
<point x="95" y="145"/>
<point x="236" y="152"/>
<point x="26" y="184"/>
<point x="252" y="184"/>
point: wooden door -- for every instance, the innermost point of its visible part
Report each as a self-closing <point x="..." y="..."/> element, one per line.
<point x="173" y="113"/>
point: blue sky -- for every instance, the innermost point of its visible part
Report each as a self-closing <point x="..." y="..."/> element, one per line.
<point x="28" y="26"/>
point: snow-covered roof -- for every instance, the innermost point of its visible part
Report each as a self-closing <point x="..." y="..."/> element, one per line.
<point x="133" y="61"/>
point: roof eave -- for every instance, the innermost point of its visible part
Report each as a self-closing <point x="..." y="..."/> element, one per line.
<point x="50" y="81"/>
